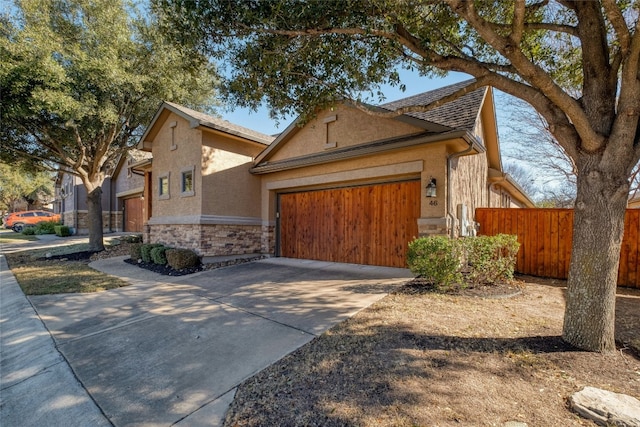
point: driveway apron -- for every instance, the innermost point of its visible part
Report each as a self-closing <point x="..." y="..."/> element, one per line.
<point x="172" y="350"/>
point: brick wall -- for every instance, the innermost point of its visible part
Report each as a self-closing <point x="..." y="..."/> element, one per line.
<point x="210" y="240"/>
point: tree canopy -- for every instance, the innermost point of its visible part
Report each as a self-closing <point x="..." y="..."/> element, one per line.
<point x="18" y="184"/>
<point x="575" y="62"/>
<point x="79" y="81"/>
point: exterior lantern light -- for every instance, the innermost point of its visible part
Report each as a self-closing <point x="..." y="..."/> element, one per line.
<point x="431" y="188"/>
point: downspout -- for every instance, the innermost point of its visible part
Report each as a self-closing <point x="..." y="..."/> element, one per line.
<point x="450" y="159"/>
<point x="111" y="204"/>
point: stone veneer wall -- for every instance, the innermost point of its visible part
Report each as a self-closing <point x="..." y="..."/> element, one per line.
<point x="209" y="240"/>
<point x="268" y="239"/>
<point x="434" y="226"/>
<point x="78" y="220"/>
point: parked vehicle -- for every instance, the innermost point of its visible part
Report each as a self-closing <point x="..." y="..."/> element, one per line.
<point x="18" y="220"/>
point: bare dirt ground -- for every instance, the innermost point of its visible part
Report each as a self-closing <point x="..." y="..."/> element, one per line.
<point x="425" y="359"/>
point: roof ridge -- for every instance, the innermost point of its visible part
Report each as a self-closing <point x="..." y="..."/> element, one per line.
<point x="460" y="113"/>
<point x="222" y="124"/>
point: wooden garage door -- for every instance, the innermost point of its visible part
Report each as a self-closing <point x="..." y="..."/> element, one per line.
<point x="361" y="225"/>
<point x="133" y="215"/>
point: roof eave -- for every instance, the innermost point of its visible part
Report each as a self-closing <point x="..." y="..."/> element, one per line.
<point x="362" y="150"/>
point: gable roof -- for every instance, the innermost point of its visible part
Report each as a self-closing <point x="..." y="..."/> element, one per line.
<point x="460" y="113"/>
<point x="197" y="118"/>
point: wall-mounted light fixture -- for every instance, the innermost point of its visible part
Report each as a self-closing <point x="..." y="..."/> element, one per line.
<point x="431" y="188"/>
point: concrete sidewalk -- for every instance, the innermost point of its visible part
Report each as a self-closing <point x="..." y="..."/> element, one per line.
<point x="37" y="387"/>
<point x="168" y="350"/>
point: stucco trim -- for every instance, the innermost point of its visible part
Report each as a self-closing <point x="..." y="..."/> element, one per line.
<point x="352" y="175"/>
<point x="358" y="151"/>
<point x="131" y="192"/>
<point x="204" y="220"/>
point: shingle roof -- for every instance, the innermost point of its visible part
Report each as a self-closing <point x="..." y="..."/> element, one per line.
<point x="223" y="125"/>
<point x="138" y="155"/>
<point x="460" y="113"/>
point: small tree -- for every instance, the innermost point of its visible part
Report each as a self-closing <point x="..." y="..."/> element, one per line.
<point x="79" y="81"/>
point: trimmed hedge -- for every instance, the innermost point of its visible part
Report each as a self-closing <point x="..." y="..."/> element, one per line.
<point x="133" y="238"/>
<point x="158" y="256"/>
<point x="491" y="259"/>
<point x="182" y="258"/>
<point x="145" y="251"/>
<point x="135" y="251"/>
<point x="47" y="227"/>
<point x="471" y="260"/>
<point x="62" y="230"/>
<point x="436" y="259"/>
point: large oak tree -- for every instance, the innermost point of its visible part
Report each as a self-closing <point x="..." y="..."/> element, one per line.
<point x="575" y="62"/>
<point x="79" y="81"/>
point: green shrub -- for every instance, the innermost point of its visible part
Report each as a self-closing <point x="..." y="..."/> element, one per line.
<point x="28" y="231"/>
<point x="145" y="251"/>
<point x="436" y="259"/>
<point x="132" y="238"/>
<point x="483" y="260"/>
<point x="135" y="251"/>
<point x="182" y="258"/>
<point x="157" y="255"/>
<point x="47" y="227"/>
<point x="62" y="230"/>
<point x="491" y="259"/>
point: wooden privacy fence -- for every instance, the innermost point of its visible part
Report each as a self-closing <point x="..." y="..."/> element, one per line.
<point x="545" y="237"/>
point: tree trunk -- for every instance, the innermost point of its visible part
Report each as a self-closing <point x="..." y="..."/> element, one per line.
<point x="94" y="207"/>
<point x="597" y="237"/>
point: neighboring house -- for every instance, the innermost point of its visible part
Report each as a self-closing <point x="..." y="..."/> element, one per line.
<point x="200" y="194"/>
<point x="634" y="203"/>
<point x="347" y="186"/>
<point x="118" y="192"/>
<point x="352" y="187"/>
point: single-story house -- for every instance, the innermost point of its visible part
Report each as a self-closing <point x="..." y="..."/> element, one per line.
<point x="348" y="186"/>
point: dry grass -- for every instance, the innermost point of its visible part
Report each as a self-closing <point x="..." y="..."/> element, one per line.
<point x="439" y="360"/>
<point x="9" y="236"/>
<point x="43" y="277"/>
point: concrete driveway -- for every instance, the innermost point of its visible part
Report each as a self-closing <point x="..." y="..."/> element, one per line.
<point x="167" y="351"/>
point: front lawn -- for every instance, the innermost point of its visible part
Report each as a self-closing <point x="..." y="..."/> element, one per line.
<point x="39" y="276"/>
<point x="428" y="359"/>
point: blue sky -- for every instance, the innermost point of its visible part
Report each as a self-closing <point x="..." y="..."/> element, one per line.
<point x="415" y="84"/>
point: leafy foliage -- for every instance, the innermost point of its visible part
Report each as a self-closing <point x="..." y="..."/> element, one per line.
<point x="491" y="259"/>
<point x="18" y="183"/>
<point x="436" y="259"/>
<point x="145" y="251"/>
<point x="474" y="261"/>
<point x="158" y="255"/>
<point x="62" y="230"/>
<point x="135" y="251"/>
<point x="80" y="80"/>
<point x="46" y="227"/>
<point x="182" y="258"/>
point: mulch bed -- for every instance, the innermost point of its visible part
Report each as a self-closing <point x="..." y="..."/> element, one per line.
<point x="165" y="270"/>
<point x="419" y="286"/>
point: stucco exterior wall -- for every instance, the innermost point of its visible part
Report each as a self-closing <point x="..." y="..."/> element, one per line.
<point x="177" y="148"/>
<point x="350" y="127"/>
<point x="229" y="189"/>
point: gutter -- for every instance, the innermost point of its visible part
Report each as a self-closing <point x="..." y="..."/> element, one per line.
<point x="473" y="144"/>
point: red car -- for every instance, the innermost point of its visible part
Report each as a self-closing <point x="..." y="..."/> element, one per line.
<point x="18" y="220"/>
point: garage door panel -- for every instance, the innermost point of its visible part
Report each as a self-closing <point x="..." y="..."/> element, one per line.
<point x="363" y="225"/>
